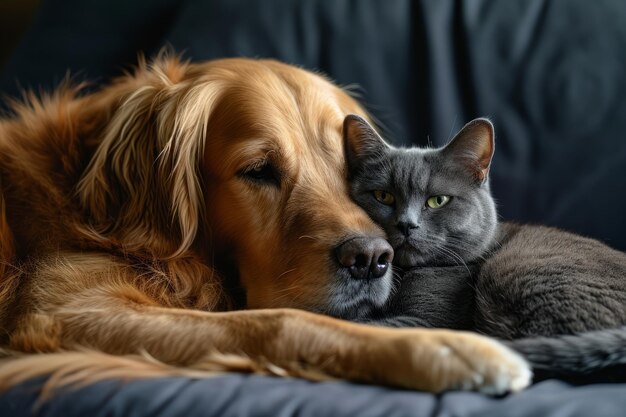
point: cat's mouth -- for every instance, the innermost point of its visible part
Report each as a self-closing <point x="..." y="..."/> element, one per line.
<point x="408" y="256"/>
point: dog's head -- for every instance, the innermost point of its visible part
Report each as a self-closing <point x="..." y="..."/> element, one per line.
<point x="239" y="163"/>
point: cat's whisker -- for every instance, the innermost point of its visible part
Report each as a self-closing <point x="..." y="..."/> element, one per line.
<point x="448" y="252"/>
<point x="454" y="256"/>
<point x="454" y="253"/>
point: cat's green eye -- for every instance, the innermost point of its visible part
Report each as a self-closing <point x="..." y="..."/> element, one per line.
<point x="437" y="201"/>
<point x="384" y="197"/>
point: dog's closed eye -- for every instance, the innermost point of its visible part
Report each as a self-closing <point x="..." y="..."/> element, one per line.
<point x="261" y="173"/>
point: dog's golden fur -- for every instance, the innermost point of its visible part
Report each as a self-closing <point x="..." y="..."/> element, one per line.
<point x="128" y="218"/>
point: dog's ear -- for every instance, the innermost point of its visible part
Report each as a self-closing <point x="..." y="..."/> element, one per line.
<point x="473" y="148"/>
<point x="361" y="141"/>
<point x="142" y="187"/>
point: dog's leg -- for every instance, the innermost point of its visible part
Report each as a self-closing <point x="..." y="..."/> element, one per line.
<point x="293" y="340"/>
<point x="92" y="301"/>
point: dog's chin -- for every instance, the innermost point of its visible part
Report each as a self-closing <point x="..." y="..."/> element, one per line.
<point x="352" y="299"/>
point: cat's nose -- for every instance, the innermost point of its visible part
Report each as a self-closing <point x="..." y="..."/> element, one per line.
<point x="406" y="227"/>
<point x="365" y="257"/>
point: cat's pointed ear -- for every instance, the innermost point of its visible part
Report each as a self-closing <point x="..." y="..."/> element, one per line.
<point x="361" y="141"/>
<point x="473" y="148"/>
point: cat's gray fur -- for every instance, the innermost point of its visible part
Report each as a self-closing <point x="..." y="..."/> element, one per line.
<point x="464" y="269"/>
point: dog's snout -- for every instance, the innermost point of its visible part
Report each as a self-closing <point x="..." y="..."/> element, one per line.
<point x="365" y="257"/>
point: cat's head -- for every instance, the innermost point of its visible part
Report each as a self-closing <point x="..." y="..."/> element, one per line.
<point x="434" y="204"/>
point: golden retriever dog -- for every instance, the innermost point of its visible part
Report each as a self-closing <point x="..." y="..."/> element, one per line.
<point x="193" y="218"/>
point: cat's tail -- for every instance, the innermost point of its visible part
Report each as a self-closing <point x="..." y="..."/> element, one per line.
<point x="601" y="353"/>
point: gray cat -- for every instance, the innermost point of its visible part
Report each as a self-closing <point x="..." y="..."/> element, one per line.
<point x="463" y="269"/>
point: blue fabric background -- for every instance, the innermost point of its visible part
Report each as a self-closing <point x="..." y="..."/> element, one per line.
<point x="549" y="73"/>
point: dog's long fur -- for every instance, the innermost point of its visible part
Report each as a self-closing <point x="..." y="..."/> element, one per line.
<point x="129" y="220"/>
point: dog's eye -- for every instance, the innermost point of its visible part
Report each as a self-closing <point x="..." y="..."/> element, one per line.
<point x="263" y="173"/>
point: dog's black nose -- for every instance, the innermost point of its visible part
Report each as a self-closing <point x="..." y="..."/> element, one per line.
<point x="365" y="257"/>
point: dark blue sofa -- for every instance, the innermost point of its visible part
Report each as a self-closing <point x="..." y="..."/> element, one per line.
<point x="257" y="396"/>
<point x="550" y="74"/>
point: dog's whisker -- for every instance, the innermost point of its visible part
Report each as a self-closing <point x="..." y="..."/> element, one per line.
<point x="309" y="237"/>
<point x="286" y="272"/>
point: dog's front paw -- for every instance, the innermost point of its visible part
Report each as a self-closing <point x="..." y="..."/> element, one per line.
<point x="448" y="360"/>
<point x="483" y="364"/>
